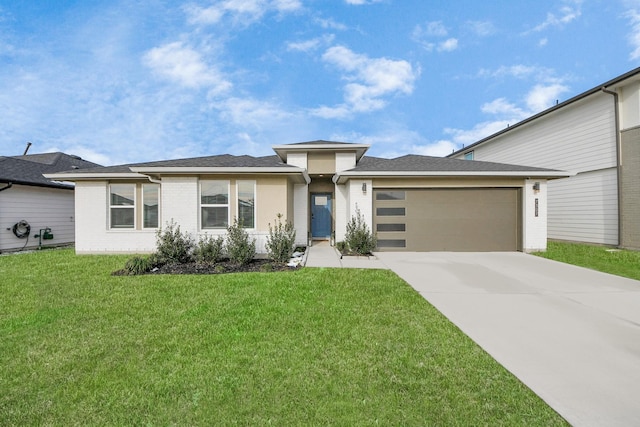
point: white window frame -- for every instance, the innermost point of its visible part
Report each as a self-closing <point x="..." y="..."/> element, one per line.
<point x="133" y="206"/>
<point x="255" y="202"/>
<point x="207" y="205"/>
<point x="157" y="190"/>
<point x="469" y="155"/>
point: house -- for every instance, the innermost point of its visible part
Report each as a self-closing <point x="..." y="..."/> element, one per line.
<point x="595" y="136"/>
<point x="35" y="210"/>
<point x="414" y="203"/>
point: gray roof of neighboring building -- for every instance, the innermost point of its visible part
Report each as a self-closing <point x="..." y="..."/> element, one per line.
<point x="29" y="169"/>
<point x="413" y="162"/>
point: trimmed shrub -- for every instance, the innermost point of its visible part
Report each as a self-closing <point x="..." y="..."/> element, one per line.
<point x="209" y="250"/>
<point x="281" y="240"/>
<point x="173" y="246"/>
<point x="359" y="238"/>
<point x="240" y="249"/>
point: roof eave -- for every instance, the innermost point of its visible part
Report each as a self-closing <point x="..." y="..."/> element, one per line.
<point x="282" y="150"/>
<point x="341" y="178"/>
<point x="73" y="177"/>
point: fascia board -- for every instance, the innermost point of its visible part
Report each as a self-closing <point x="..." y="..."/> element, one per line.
<point x="91" y="177"/>
<point x="341" y="178"/>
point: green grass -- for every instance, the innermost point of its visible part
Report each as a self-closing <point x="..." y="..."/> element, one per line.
<point x="619" y="262"/>
<point x="312" y="347"/>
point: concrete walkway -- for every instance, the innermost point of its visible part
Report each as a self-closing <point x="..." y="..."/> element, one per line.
<point x="570" y="334"/>
<point x="321" y="254"/>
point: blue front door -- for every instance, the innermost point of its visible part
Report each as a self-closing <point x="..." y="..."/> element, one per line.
<point x="321" y="215"/>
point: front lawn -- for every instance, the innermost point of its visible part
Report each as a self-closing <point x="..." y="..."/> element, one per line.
<point x="619" y="262"/>
<point x="312" y="347"/>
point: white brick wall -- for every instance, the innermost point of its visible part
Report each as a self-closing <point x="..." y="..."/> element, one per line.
<point x="361" y="200"/>
<point x="341" y="211"/>
<point x="179" y="201"/>
<point x="534" y="232"/>
<point x="92" y="225"/>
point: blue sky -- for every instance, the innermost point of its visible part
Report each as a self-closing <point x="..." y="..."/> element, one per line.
<point x="132" y="81"/>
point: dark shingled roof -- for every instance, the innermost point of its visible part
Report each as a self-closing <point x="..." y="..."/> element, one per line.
<point x="28" y="169"/>
<point x="416" y="163"/>
<point x="220" y="161"/>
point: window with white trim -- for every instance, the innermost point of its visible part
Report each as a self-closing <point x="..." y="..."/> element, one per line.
<point x="468" y="155"/>
<point x="246" y="203"/>
<point x="122" y="208"/>
<point x="214" y="204"/>
<point x="150" y="205"/>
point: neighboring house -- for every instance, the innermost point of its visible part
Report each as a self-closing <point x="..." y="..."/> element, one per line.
<point x="29" y="202"/>
<point x="596" y="137"/>
<point x="415" y="203"/>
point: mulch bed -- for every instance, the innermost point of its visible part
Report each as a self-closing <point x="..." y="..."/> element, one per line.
<point x="222" y="267"/>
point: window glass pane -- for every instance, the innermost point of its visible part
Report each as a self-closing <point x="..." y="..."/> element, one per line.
<point x="150" y="208"/>
<point x="122" y="217"/>
<point x="390" y="211"/>
<point x="391" y="227"/>
<point x="246" y="203"/>
<point x="214" y="193"/>
<point x="390" y="195"/>
<point x="122" y="194"/>
<point x="468" y="156"/>
<point x="392" y="243"/>
<point x="215" y="217"/>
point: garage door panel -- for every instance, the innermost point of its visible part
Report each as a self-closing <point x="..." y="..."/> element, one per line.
<point x="454" y="220"/>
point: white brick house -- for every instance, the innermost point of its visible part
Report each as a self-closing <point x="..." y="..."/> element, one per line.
<point x="416" y="203"/>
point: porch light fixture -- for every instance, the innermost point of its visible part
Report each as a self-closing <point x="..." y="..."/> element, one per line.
<point x="536" y="186"/>
<point x="364" y="187"/>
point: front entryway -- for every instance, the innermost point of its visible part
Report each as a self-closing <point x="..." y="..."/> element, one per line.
<point x="321" y="215"/>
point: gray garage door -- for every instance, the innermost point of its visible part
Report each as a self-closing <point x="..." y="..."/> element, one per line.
<point x="473" y="220"/>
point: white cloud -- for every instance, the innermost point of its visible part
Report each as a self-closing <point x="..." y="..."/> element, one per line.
<point x="243" y="12"/>
<point x="448" y="45"/>
<point x="521" y="71"/>
<point x="361" y="2"/>
<point x="569" y="12"/>
<point x="427" y="36"/>
<point x="437" y="149"/>
<point x="634" y="36"/>
<point x="251" y="113"/>
<point x="478" y="132"/>
<point x="543" y="42"/>
<point x="185" y="66"/>
<point x="481" y="28"/>
<point x="542" y="97"/>
<point x="504" y="108"/>
<point x="370" y="79"/>
<point x="310" y="45"/>
<point x="331" y="24"/>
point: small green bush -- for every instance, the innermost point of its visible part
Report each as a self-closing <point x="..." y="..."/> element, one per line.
<point x="359" y="238"/>
<point x="341" y="246"/>
<point x="173" y="246"/>
<point x="138" y="265"/>
<point x="209" y="250"/>
<point x="240" y="249"/>
<point x="281" y="240"/>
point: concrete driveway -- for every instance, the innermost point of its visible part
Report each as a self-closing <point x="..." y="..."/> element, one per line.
<point x="571" y="334"/>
